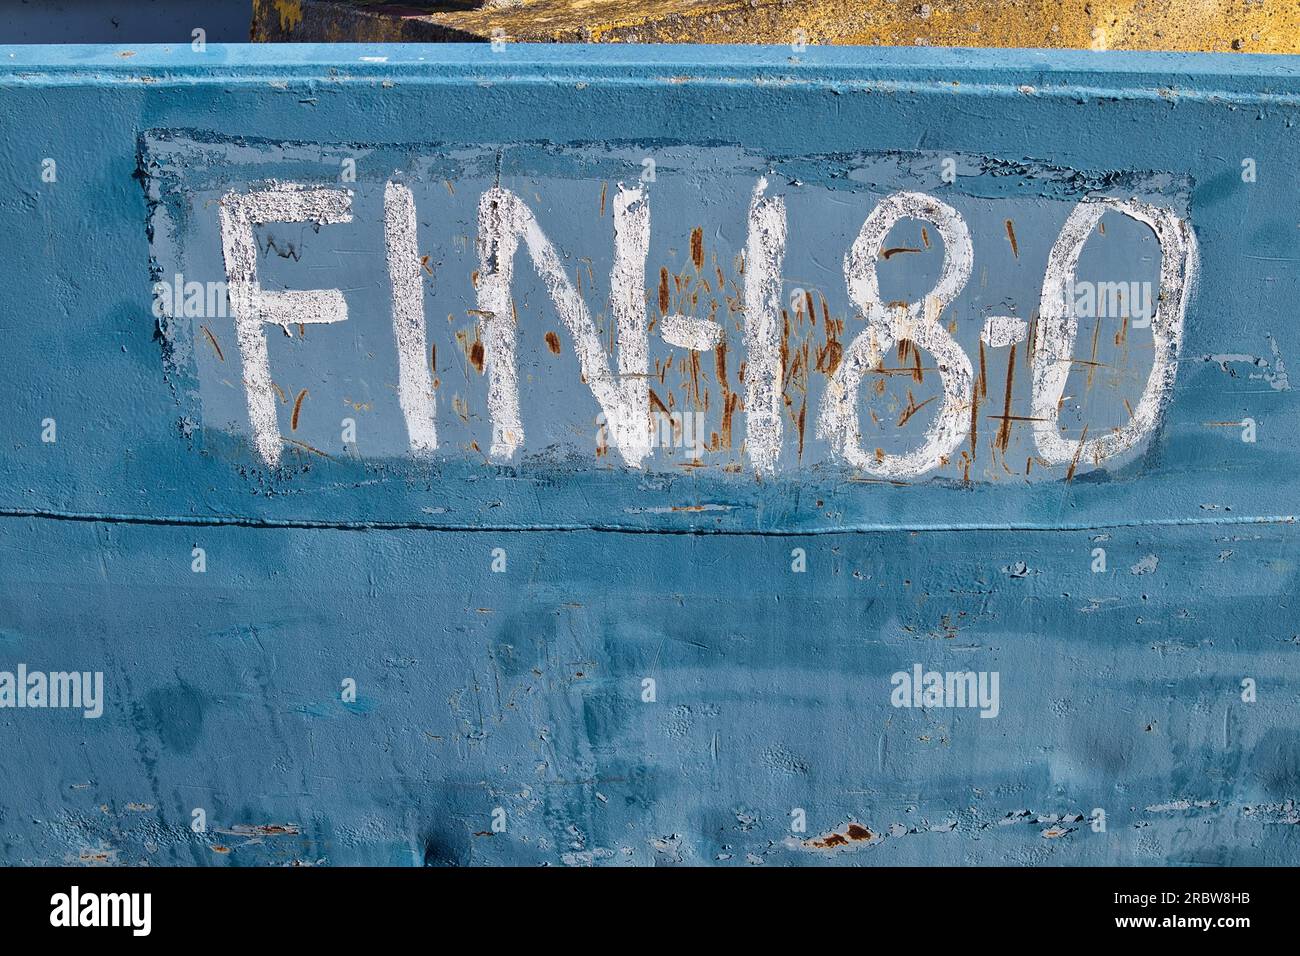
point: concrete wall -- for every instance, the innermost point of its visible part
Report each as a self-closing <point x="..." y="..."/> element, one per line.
<point x="351" y="605"/>
<point x="1254" y="26"/>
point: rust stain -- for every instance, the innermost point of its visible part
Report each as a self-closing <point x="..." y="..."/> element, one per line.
<point x="728" y="411"/>
<point x="801" y="422"/>
<point x="697" y="247"/>
<point x="1069" y="475"/>
<point x="829" y="357"/>
<point x="663" y="290"/>
<point x="1011" y="238"/>
<point x="694" y="390"/>
<point x="979" y="392"/>
<point x="853" y="833"/>
<point x="297" y="408"/>
<point x="1093" y="364"/>
<point x="984" y="380"/>
<point x="1004" y="431"/>
<point x="476" y="355"/>
<point x="896" y="250"/>
<point x="553" y="342"/>
<point x="303" y="445"/>
<point x="912" y="408"/>
<point x="213" y="339"/>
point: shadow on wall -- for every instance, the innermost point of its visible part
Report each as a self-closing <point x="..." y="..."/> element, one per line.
<point x="123" y="21"/>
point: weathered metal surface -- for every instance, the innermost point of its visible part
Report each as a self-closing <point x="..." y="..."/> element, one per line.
<point x="1253" y="26"/>
<point x="265" y="327"/>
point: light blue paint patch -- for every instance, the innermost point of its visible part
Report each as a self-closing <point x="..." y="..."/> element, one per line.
<point x="349" y="370"/>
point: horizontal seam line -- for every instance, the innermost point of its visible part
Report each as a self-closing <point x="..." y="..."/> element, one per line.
<point x="324" y="525"/>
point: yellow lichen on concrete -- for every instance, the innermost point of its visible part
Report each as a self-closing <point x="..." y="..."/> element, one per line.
<point x="288" y="12"/>
<point x="1261" y="26"/>
<point x="1185" y="25"/>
